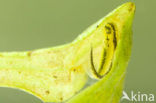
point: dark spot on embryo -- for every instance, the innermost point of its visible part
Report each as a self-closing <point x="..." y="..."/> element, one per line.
<point x="108" y="29"/>
<point x="47" y="91"/>
<point x="55" y="76"/>
<point x="61" y="98"/>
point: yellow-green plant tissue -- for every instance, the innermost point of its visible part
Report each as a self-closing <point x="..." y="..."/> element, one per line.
<point x="58" y="74"/>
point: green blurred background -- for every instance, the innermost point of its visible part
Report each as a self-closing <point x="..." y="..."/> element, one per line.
<point x="33" y="24"/>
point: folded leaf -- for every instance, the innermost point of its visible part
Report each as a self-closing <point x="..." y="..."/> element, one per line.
<point x="109" y="88"/>
<point x="57" y="74"/>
